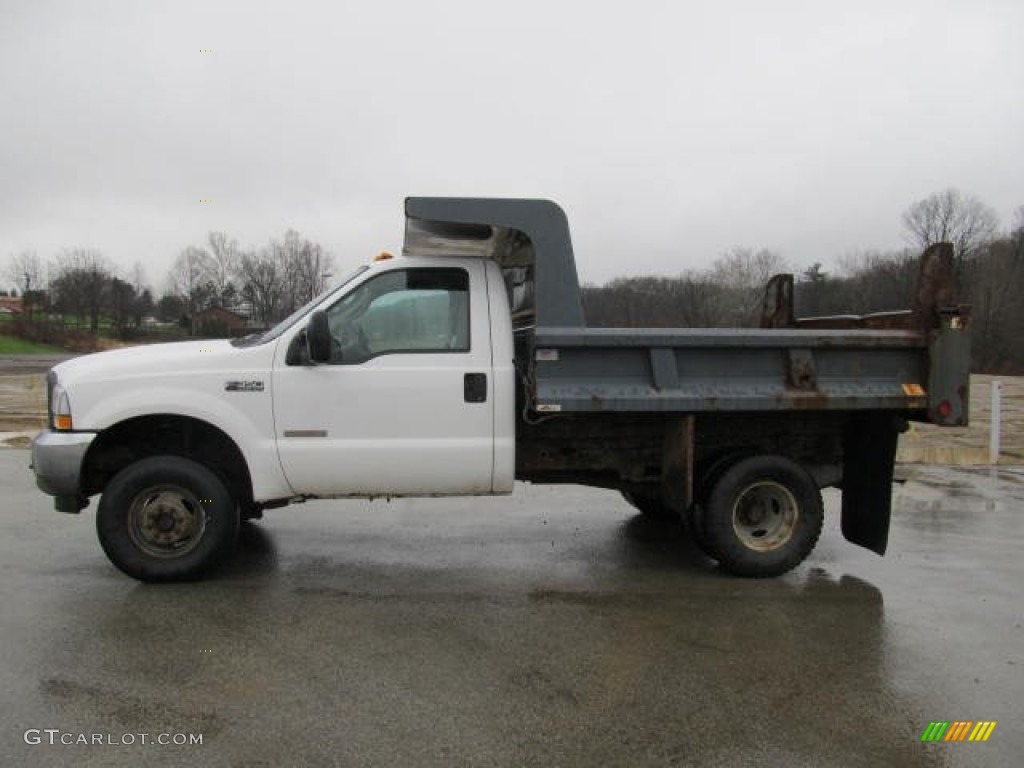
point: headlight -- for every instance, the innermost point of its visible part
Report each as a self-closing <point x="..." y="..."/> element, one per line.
<point x="60" y="408"/>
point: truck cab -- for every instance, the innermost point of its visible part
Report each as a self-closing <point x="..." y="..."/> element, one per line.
<point x="411" y="391"/>
<point x="415" y="394"/>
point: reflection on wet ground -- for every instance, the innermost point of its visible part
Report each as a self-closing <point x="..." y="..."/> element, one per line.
<point x="553" y="627"/>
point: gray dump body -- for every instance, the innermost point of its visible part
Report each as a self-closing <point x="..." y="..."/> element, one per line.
<point x="728" y="370"/>
<point x="916" y="364"/>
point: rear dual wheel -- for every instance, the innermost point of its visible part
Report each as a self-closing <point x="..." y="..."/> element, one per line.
<point x="761" y="516"/>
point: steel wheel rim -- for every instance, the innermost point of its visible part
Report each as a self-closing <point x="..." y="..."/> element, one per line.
<point x="166" y="521"/>
<point x="765" y="515"/>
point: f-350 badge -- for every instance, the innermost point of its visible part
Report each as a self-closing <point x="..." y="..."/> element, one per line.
<point x="244" y="386"/>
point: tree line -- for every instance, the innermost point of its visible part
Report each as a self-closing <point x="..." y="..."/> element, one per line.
<point x="268" y="283"/>
<point x="988" y="265"/>
<point x="84" y="289"/>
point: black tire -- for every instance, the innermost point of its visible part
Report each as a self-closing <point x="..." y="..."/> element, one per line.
<point x="167" y="518"/>
<point x="763" y="516"/>
<point x="694" y="519"/>
<point x="708" y="476"/>
<point x="651" y="506"/>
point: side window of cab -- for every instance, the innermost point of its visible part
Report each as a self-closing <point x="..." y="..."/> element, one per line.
<point x="417" y="310"/>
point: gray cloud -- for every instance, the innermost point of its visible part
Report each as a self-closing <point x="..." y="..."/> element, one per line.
<point x="669" y="131"/>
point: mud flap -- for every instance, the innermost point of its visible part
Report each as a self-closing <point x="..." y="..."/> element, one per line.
<point x="869" y="454"/>
<point x="677" y="465"/>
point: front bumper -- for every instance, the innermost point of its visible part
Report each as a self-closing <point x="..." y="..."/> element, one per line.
<point x="57" y="461"/>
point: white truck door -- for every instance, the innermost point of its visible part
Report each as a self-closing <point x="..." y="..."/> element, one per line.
<point x="404" y="406"/>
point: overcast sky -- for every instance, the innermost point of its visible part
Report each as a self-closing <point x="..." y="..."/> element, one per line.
<point x="669" y="131"/>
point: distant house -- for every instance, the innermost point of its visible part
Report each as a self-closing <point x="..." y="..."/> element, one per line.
<point x="10" y="305"/>
<point x="218" y="321"/>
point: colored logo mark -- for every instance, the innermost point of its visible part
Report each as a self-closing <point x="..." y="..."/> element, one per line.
<point x="958" y="730"/>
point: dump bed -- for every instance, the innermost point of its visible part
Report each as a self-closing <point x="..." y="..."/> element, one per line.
<point x="728" y="370"/>
<point x="913" y="362"/>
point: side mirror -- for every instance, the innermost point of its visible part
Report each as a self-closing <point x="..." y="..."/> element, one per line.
<point x="318" y="337"/>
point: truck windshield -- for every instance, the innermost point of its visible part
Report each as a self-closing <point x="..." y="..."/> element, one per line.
<point x="255" y="339"/>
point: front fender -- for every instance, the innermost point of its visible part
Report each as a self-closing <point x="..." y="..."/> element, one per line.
<point x="245" y="417"/>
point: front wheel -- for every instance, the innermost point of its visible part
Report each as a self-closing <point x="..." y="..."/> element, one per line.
<point x="762" y="516"/>
<point x="166" y="518"/>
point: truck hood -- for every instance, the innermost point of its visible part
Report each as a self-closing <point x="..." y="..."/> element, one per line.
<point x="155" y="359"/>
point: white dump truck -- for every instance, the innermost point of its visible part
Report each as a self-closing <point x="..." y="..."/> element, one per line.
<point x="464" y="365"/>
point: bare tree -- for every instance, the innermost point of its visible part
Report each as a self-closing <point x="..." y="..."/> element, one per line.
<point x="876" y="281"/>
<point x="224" y="258"/>
<point x="122" y="306"/>
<point x="192" y="279"/>
<point x="304" y="268"/>
<point x="138" y="278"/>
<point x="994" y="283"/>
<point x="693" y="300"/>
<point x="744" y="268"/>
<point x="273" y="280"/>
<point x="742" y="274"/>
<point x="262" y="284"/>
<point x="170" y="308"/>
<point x="1017" y="233"/>
<point x="81" y="284"/>
<point x="817" y="292"/>
<point x="25" y="271"/>
<point x="952" y="217"/>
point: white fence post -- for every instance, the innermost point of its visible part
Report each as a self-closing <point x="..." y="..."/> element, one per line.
<point x="995" y="425"/>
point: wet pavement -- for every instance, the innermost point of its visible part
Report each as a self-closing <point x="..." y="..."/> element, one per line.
<point x="550" y="628"/>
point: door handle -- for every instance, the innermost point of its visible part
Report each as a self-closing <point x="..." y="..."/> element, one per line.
<point x="474" y="387"/>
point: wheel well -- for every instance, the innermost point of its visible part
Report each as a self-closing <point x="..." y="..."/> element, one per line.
<point x="128" y="441"/>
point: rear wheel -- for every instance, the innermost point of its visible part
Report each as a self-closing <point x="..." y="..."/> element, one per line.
<point x="694" y="519"/>
<point x="650" y="505"/>
<point x="166" y="518"/>
<point x="708" y="477"/>
<point x="762" y="516"/>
